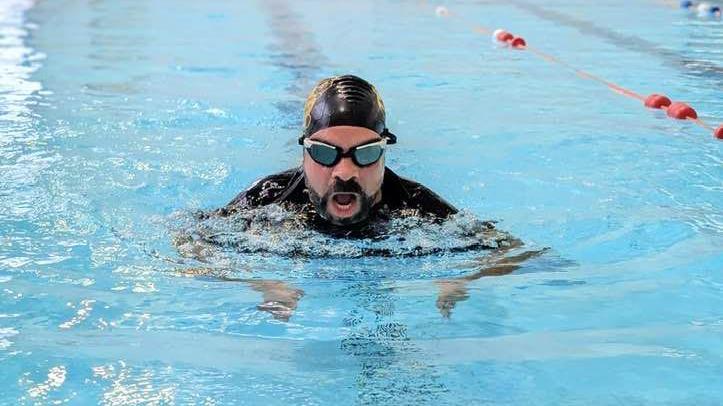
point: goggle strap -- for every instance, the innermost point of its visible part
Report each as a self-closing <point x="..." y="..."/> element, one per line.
<point x="391" y="138"/>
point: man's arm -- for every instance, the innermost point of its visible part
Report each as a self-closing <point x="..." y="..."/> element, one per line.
<point x="452" y="291"/>
<point x="279" y="299"/>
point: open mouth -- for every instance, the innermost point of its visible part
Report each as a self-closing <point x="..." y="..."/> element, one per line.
<point x="344" y="203"/>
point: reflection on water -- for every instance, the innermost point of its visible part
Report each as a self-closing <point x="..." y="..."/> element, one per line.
<point x="23" y="158"/>
<point x="17" y="63"/>
<point x="126" y="386"/>
<point x="22" y="153"/>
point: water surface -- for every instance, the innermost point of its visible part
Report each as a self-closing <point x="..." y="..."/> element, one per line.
<point x="116" y="118"/>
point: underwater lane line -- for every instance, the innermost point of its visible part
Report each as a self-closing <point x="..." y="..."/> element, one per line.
<point x="294" y="50"/>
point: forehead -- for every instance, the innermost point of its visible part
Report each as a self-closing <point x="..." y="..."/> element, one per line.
<point x="345" y="136"/>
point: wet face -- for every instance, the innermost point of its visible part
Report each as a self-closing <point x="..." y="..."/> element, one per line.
<point x="344" y="193"/>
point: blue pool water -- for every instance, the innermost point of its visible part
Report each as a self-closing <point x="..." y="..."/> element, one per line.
<point x="119" y="119"/>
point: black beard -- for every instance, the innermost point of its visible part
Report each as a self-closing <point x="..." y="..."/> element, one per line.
<point x="342" y="186"/>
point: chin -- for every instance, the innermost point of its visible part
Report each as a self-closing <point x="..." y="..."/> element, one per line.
<point x="345" y="218"/>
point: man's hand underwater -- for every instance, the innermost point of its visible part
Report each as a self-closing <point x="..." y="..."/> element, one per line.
<point x="279" y="299"/>
<point x="452" y="291"/>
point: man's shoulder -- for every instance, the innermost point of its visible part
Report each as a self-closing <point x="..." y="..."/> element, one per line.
<point x="409" y="194"/>
<point x="275" y="188"/>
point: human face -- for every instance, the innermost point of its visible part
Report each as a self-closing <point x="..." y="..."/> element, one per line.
<point x="345" y="192"/>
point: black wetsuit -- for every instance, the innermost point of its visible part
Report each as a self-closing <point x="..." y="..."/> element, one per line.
<point x="399" y="197"/>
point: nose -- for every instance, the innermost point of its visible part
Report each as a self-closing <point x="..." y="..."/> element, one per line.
<point x="345" y="169"/>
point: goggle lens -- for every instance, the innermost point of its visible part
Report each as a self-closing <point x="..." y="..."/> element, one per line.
<point x="368" y="155"/>
<point x="323" y="154"/>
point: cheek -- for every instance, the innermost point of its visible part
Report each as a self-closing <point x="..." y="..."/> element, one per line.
<point x="371" y="177"/>
<point x="317" y="176"/>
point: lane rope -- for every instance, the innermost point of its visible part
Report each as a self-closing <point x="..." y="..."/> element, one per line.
<point x="676" y="110"/>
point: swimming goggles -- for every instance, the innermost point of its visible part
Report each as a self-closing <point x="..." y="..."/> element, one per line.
<point x="330" y="155"/>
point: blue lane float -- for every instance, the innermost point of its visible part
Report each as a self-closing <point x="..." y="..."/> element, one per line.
<point x="703" y="9"/>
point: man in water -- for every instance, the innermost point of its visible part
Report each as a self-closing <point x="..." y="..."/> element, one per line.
<point x="343" y="183"/>
<point x="343" y="186"/>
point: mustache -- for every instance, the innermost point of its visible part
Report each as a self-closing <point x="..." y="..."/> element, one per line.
<point x="345" y="186"/>
<point x="342" y="186"/>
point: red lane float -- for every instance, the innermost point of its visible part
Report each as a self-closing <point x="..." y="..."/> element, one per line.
<point x="518" y="42"/>
<point x="681" y="111"/>
<point x="719" y="132"/>
<point x="502" y="36"/>
<point x="657" y="101"/>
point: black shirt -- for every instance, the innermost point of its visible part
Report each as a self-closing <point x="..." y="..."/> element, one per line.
<point x="288" y="188"/>
<point x="401" y="198"/>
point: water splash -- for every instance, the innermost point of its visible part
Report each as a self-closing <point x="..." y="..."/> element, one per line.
<point x="277" y="231"/>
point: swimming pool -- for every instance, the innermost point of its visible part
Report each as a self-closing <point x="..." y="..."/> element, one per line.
<point x="117" y="116"/>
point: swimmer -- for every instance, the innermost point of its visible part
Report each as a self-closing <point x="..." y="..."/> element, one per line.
<point x="343" y="182"/>
<point x="343" y="185"/>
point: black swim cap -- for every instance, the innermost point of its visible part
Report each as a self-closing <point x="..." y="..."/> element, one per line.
<point x="345" y="100"/>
